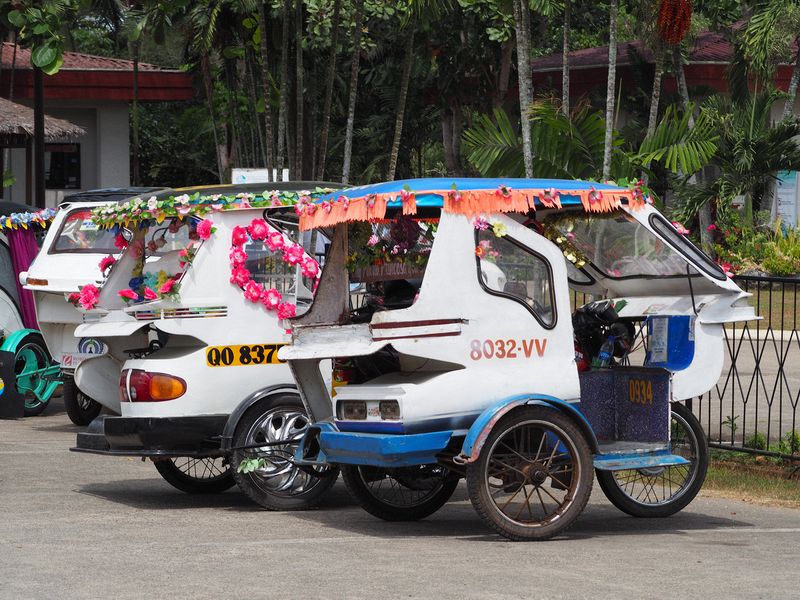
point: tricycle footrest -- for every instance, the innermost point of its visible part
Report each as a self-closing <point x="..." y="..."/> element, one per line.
<point x="642" y="460"/>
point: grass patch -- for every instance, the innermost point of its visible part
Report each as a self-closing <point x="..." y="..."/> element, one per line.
<point x="759" y="483"/>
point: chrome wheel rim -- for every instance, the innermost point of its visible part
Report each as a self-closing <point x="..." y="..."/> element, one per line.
<point x="84" y="401"/>
<point x="662" y="485"/>
<point x="201" y="469"/>
<point x="406" y="487"/>
<point x="279" y="475"/>
<point x="532" y="473"/>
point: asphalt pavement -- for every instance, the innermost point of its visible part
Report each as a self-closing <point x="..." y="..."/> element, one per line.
<point x="84" y="526"/>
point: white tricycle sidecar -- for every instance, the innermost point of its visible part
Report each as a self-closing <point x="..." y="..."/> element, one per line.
<point x="461" y="361"/>
<point x="192" y="315"/>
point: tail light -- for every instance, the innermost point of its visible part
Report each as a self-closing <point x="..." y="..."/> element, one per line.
<point x="144" y="386"/>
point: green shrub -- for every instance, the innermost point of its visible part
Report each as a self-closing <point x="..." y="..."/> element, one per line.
<point x="756" y="441"/>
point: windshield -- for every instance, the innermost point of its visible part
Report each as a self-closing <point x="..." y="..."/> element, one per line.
<point x="78" y="234"/>
<point x="618" y="246"/>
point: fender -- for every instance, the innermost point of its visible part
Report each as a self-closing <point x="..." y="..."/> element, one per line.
<point x="244" y="405"/>
<point x="482" y="427"/>
<point x="15" y="337"/>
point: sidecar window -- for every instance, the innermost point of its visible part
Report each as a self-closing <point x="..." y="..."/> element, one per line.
<point x="79" y="234"/>
<point x="509" y="269"/>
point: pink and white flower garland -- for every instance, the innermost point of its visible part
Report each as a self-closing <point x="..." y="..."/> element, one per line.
<point x="290" y="252"/>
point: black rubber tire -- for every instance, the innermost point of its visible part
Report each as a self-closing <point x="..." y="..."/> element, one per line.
<point x="81" y="409"/>
<point x="478" y="475"/>
<point x="353" y="476"/>
<point x="178" y="478"/>
<point x="37" y="408"/>
<point x="609" y="485"/>
<point x="253" y="486"/>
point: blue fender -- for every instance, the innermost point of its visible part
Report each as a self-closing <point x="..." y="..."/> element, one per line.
<point x="13" y="339"/>
<point x="482" y="427"/>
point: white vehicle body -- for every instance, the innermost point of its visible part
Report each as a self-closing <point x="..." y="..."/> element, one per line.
<point x="211" y="315"/>
<point x="67" y="260"/>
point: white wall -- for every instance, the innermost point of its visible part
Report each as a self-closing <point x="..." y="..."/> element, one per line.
<point x="104" y="149"/>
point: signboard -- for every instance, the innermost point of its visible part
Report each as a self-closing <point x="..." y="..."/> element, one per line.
<point x="239" y="175"/>
<point x="786" y="205"/>
<point x="87" y="348"/>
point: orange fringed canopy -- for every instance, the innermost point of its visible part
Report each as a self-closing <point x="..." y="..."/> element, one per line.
<point x="369" y="203"/>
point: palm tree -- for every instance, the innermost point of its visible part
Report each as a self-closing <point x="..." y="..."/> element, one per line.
<point x="283" y="106"/>
<point x="329" y="79"/>
<point x="610" y="87"/>
<point x="770" y="33"/>
<point x="269" y="156"/>
<point x="565" y="58"/>
<point x="299" y="96"/>
<point x="522" y="27"/>
<point x="351" y="104"/>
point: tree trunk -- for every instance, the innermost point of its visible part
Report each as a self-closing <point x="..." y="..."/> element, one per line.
<point x="458" y="119"/>
<point x="38" y="137"/>
<point x="506" y="54"/>
<point x="408" y="61"/>
<point x="791" y="94"/>
<point x="351" y="105"/>
<point x="447" y="142"/>
<point x="565" y="59"/>
<point x="329" y="79"/>
<point x="704" y="214"/>
<point x="522" y="26"/>
<point x="610" y="88"/>
<point x="283" y="107"/>
<point x="299" y="122"/>
<point x="655" y="97"/>
<point x="208" y="87"/>
<point x="269" y="155"/>
<point x="135" y="115"/>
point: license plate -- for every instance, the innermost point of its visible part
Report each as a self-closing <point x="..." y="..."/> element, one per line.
<point x="243" y="355"/>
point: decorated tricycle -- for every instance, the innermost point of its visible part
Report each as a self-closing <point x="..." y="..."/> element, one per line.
<point x="28" y="375"/>
<point x="192" y="315"/>
<point x="461" y="355"/>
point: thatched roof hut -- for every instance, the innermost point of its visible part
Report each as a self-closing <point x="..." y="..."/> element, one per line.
<point x="16" y="126"/>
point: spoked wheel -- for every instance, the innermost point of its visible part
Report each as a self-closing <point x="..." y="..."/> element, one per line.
<point x="80" y="408"/>
<point x="29" y="359"/>
<point x="533" y="476"/>
<point x="196" y="475"/>
<point x="278" y="484"/>
<point x="402" y="494"/>
<point x="662" y="491"/>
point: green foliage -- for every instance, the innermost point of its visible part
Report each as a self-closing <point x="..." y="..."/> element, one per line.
<point x="248" y="465"/>
<point x="39" y="27"/>
<point x="679" y="147"/>
<point x="731" y="423"/>
<point x="773" y="250"/>
<point x="790" y="443"/>
<point x="7" y="179"/>
<point x="756" y="441"/>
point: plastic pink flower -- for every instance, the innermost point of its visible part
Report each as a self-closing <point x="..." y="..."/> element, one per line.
<point x="680" y="228"/>
<point x="481" y="223"/>
<point x="120" y="242"/>
<point x="504" y="191"/>
<point x="253" y="291"/>
<point x="240" y="276"/>
<point x="74" y="297"/>
<point x="309" y="267"/>
<point x="106" y="262"/>
<point x="166" y="288"/>
<point x="293" y="254"/>
<point x="238" y="257"/>
<point x="128" y="294"/>
<point x="271" y="298"/>
<point x="276" y="199"/>
<point x="88" y="296"/>
<point x="594" y="195"/>
<point x="373" y="240"/>
<point x="150" y="294"/>
<point x="345" y="201"/>
<point x="275" y="241"/>
<point x="286" y="310"/>
<point x="239" y="236"/>
<point x="258" y="229"/>
<point x="204" y="229"/>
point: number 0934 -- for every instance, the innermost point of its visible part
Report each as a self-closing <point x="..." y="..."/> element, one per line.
<point x="640" y="391"/>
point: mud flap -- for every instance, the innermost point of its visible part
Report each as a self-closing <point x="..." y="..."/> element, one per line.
<point x="12" y="403"/>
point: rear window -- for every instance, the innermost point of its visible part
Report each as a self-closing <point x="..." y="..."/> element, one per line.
<point x="78" y="234"/>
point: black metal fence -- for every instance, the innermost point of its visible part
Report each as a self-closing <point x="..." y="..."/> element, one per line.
<point x="754" y="406"/>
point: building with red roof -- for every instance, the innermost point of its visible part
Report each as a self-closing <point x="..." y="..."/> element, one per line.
<point x="709" y="56"/>
<point x="95" y="93"/>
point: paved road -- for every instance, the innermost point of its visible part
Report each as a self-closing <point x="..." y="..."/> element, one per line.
<point x="79" y="526"/>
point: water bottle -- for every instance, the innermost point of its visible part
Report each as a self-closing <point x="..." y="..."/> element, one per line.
<point x="606" y="352"/>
